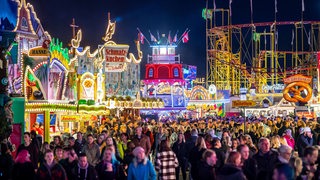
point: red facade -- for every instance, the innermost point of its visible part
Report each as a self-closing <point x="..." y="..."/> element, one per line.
<point x="163" y="71"/>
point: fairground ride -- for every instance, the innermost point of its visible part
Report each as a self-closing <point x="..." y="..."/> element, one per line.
<point x="258" y="55"/>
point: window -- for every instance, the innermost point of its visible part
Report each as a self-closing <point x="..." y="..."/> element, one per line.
<point x="155" y="51"/>
<point x="150" y="75"/>
<point x="163" y="51"/>
<point x="175" y="72"/>
<point x="24" y="24"/>
<point x="171" y="51"/>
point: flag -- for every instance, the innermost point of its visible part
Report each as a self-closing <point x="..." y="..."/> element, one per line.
<point x="309" y="38"/>
<point x="169" y="38"/>
<point x="230" y="2"/>
<point x="292" y="39"/>
<point x="175" y="38"/>
<point x="185" y="37"/>
<point x="214" y="5"/>
<point x="141" y="37"/>
<point x="153" y="38"/>
<point x="275" y="6"/>
<point x="302" y="5"/>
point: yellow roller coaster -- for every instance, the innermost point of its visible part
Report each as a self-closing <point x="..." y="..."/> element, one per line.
<point x="252" y="56"/>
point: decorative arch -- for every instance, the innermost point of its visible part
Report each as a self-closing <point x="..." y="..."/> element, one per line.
<point x="199" y="93"/>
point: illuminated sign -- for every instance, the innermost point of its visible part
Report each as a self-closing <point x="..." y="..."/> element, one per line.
<point x="70" y="118"/>
<point x="38" y="51"/>
<point x="115" y="56"/>
<point x="243" y="103"/>
<point x="116" y="53"/>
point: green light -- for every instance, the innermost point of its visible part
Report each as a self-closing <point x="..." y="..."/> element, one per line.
<point x="207" y="13"/>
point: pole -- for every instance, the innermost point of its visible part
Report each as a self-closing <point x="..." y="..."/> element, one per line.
<point x="46" y="126"/>
<point x="245" y="119"/>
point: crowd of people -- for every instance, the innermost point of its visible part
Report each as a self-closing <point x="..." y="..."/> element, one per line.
<point x="212" y="148"/>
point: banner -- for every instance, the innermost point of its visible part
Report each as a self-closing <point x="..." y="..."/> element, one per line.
<point x="115" y="56"/>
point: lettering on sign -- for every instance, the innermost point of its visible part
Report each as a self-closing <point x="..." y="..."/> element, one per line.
<point x="38" y="51"/>
<point x="116" y="53"/>
<point x="72" y="118"/>
<point x="243" y="103"/>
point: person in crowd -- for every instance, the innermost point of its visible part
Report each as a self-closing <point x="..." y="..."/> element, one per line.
<point x="208" y="139"/>
<point x="69" y="162"/>
<point x="225" y="141"/>
<point x="141" y="167"/>
<point x="296" y="163"/>
<point x="166" y="162"/>
<point x="110" y="142"/>
<point x="232" y="169"/>
<point x="206" y="166"/>
<point x="195" y="156"/>
<point x="57" y="141"/>
<point x="234" y="144"/>
<point x="283" y="171"/>
<point x="265" y="158"/>
<point x="58" y="153"/>
<point x="304" y="139"/>
<point x="191" y="141"/>
<point x="284" y="156"/>
<point x="122" y="144"/>
<point x="34" y="139"/>
<point x="101" y="143"/>
<point x="246" y="139"/>
<point x="45" y="146"/>
<point x="249" y="165"/>
<point x="79" y="144"/>
<point x="289" y="138"/>
<point x="109" y="168"/>
<point x="128" y="155"/>
<point x="219" y="152"/>
<point x="31" y="148"/>
<point x="6" y="162"/>
<point x="50" y="169"/>
<point x="309" y="166"/>
<point x="275" y="142"/>
<point x="23" y="167"/>
<point x="159" y="136"/>
<point x="180" y="149"/>
<point x="142" y="141"/>
<point x="92" y="151"/>
<point x="83" y="170"/>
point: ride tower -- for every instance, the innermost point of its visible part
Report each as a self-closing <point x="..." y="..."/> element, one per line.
<point x="164" y="74"/>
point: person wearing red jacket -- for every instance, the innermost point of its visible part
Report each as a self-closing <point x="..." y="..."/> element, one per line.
<point x="289" y="138"/>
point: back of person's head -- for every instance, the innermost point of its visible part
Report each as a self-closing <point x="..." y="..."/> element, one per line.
<point x="308" y="151"/>
<point x="164" y="146"/>
<point x="194" y="132"/>
<point x="284" y="148"/>
<point x="232" y="158"/>
<point x="82" y="155"/>
<point x="283" y="172"/>
<point x="207" y="153"/>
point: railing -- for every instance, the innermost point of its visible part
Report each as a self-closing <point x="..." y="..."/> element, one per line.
<point x="164" y="59"/>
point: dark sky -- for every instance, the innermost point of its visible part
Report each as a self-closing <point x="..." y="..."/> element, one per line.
<point x="161" y="15"/>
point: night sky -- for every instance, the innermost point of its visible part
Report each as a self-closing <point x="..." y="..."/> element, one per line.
<point x="162" y="16"/>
